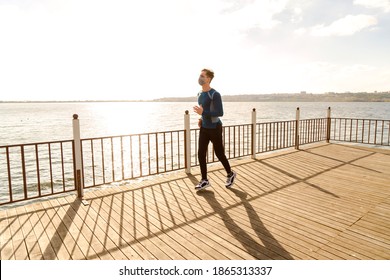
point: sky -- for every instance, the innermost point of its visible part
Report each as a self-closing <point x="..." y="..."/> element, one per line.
<point x="147" y="49"/>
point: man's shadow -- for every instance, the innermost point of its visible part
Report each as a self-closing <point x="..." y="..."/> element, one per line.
<point x="270" y="249"/>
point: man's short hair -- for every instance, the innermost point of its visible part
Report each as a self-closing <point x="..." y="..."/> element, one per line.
<point x="209" y="73"/>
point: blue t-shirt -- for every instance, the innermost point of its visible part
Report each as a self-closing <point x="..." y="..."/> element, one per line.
<point x="212" y="108"/>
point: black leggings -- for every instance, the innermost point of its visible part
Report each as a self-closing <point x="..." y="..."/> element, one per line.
<point x="215" y="136"/>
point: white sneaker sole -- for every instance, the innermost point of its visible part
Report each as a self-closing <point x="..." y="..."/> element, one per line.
<point x="231" y="185"/>
<point x="199" y="189"/>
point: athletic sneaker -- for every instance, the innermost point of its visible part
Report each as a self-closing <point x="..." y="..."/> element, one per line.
<point x="230" y="179"/>
<point x="204" y="183"/>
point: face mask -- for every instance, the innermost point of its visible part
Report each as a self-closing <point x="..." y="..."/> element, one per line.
<point x="201" y="81"/>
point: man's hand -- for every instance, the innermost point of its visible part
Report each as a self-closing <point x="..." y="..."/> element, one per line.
<point x="200" y="123"/>
<point x="198" y="109"/>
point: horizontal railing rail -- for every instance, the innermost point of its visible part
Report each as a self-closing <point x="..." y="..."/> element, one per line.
<point x="29" y="171"/>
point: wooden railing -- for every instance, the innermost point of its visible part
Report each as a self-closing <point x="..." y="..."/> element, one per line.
<point x="29" y="171"/>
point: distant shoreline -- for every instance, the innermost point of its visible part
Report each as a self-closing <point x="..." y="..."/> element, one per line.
<point x="296" y="97"/>
<point x="275" y="97"/>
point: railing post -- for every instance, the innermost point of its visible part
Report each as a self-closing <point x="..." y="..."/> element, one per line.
<point x="297" y="129"/>
<point x="254" y="133"/>
<point x="77" y="157"/>
<point x="187" y="142"/>
<point x="328" y="125"/>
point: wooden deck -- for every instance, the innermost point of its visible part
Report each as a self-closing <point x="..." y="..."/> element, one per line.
<point x="325" y="201"/>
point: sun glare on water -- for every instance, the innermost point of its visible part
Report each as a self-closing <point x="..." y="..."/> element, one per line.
<point x="119" y="118"/>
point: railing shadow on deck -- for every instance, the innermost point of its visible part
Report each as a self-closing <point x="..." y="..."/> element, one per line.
<point x="170" y="205"/>
<point x="167" y="195"/>
<point x="159" y="209"/>
<point x="62" y="230"/>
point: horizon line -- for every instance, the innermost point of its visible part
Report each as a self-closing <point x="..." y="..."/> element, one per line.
<point x="302" y="93"/>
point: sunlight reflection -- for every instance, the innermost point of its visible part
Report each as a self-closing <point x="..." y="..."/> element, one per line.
<point x="121" y="118"/>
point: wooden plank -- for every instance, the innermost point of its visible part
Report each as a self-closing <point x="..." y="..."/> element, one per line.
<point x="323" y="202"/>
<point x="214" y="223"/>
<point x="31" y="240"/>
<point x="164" y="221"/>
<point x="206" y="241"/>
<point x="40" y="233"/>
<point x="381" y="237"/>
<point x="19" y="247"/>
<point x="341" y="252"/>
<point x="97" y="207"/>
<point x="7" y="250"/>
<point x="70" y="235"/>
<point x="251" y="218"/>
<point x="175" y="223"/>
<point x="99" y="239"/>
<point x="85" y="237"/>
<point x="68" y="243"/>
<point x="119" y="220"/>
<point x="46" y="214"/>
<point x="382" y="248"/>
<point x="223" y="225"/>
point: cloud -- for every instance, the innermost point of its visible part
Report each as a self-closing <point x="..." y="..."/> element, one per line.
<point x="254" y="14"/>
<point x="346" y="26"/>
<point x="297" y="15"/>
<point x="380" y="4"/>
<point x="323" y="76"/>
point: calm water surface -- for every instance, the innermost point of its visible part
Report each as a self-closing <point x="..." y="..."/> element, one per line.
<point x="42" y="122"/>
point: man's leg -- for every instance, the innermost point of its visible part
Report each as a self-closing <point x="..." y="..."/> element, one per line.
<point x="202" y="151"/>
<point x="216" y="139"/>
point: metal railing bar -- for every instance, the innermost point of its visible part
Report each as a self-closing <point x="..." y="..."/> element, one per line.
<point x="103" y="165"/>
<point x="38" y="169"/>
<point x="157" y="159"/>
<point x="122" y="160"/>
<point x="112" y="159"/>
<point x="165" y="152"/>
<point x="51" y="169"/>
<point x="124" y="135"/>
<point x="24" y="172"/>
<point x="35" y="143"/>
<point x="62" y="166"/>
<point x="93" y="162"/>
<point x="140" y="153"/>
<point x="178" y="149"/>
<point x="383" y="127"/>
<point x="171" y="134"/>
<point x="82" y="163"/>
<point x="9" y="173"/>
<point x="131" y="157"/>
